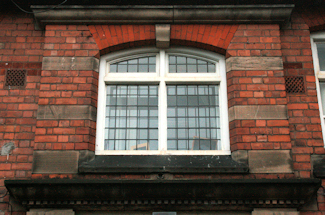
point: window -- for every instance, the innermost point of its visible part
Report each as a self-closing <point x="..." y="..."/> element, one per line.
<point x="318" y="50"/>
<point x="162" y="102"/>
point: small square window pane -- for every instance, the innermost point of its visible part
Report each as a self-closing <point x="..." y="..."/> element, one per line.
<point x="109" y="145"/>
<point x="132" y="68"/>
<point x="122" y="68"/>
<point x="181" y="100"/>
<point x="153" y="144"/>
<point x="181" y="68"/>
<point x="171" y="90"/>
<point x="182" y="133"/>
<point x="143" y="111"/>
<point x="153" y="100"/>
<point x="181" y="60"/>
<point x="131" y="134"/>
<point x="153" y="111"/>
<point x="153" y="122"/>
<point x="143" y="68"/>
<point x="131" y="144"/>
<point x="171" y="112"/>
<point x="191" y="60"/>
<point x="152" y="60"/>
<point x="132" y="122"/>
<point x="132" y="90"/>
<point x="172" y="60"/>
<point x="143" y="123"/>
<point x="172" y="145"/>
<point x="112" y="68"/>
<point x="171" y="133"/>
<point x="182" y="144"/>
<point x="191" y="69"/>
<point x="153" y="134"/>
<point x="171" y="101"/>
<point x="171" y="123"/>
<point x="152" y="68"/>
<point x="211" y="68"/>
<point x="144" y="60"/>
<point x="120" y="144"/>
<point x="172" y="68"/>
<point x="181" y="90"/>
<point x="134" y="61"/>
<point x="181" y="122"/>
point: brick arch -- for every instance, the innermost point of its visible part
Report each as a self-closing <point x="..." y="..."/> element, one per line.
<point x="214" y="38"/>
<point x="314" y="17"/>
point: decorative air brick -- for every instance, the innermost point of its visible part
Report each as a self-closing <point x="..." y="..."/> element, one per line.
<point x="15" y="79"/>
<point x="295" y="84"/>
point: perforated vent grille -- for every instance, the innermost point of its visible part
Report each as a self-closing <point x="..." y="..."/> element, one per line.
<point x="15" y="78"/>
<point x="295" y="84"/>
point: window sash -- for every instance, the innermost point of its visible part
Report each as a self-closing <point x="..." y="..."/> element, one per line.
<point x="162" y="78"/>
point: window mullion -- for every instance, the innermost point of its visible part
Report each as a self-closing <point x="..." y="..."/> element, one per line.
<point x="162" y="117"/>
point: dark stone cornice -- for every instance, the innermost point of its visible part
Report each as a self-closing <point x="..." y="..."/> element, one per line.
<point x="176" y="194"/>
<point x="136" y="14"/>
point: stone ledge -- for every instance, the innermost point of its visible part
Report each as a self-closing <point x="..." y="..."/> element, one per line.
<point x="258" y="112"/>
<point x="70" y="63"/>
<point x="254" y="63"/>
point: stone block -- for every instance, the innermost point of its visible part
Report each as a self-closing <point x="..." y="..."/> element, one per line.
<point x="2" y="45"/>
<point x="254" y="63"/>
<point x="70" y="63"/>
<point x="50" y="212"/>
<point x="66" y="112"/>
<point x="270" y="161"/>
<point x="240" y="156"/>
<point x="258" y="112"/>
<point x="275" y="211"/>
<point x="162" y="36"/>
<point x="55" y="162"/>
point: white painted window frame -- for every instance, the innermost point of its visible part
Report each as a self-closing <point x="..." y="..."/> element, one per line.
<point x="161" y="77"/>
<point x="315" y="38"/>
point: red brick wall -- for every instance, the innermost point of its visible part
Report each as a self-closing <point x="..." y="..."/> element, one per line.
<point x="23" y="50"/>
<point x="67" y="88"/>
<point x="257" y="88"/>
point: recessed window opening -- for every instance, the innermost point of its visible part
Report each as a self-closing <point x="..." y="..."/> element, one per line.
<point x="162" y="102"/>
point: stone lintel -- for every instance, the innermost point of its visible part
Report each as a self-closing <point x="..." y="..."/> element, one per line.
<point x="258" y="112"/>
<point x="254" y="63"/>
<point x="66" y="112"/>
<point x="70" y="63"/>
<point x="275" y="211"/>
<point x="55" y="161"/>
<point x="50" y="212"/>
<point x="270" y="161"/>
<point x="162" y="36"/>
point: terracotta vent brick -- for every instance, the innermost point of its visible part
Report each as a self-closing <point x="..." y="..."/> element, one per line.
<point x="15" y="79"/>
<point x="295" y="84"/>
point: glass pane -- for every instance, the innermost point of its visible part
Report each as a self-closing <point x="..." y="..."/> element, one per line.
<point x="190" y="124"/>
<point x="321" y="55"/>
<point x="143" y="64"/>
<point x="322" y="93"/>
<point x="130" y="111"/>
<point x="182" y="64"/>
